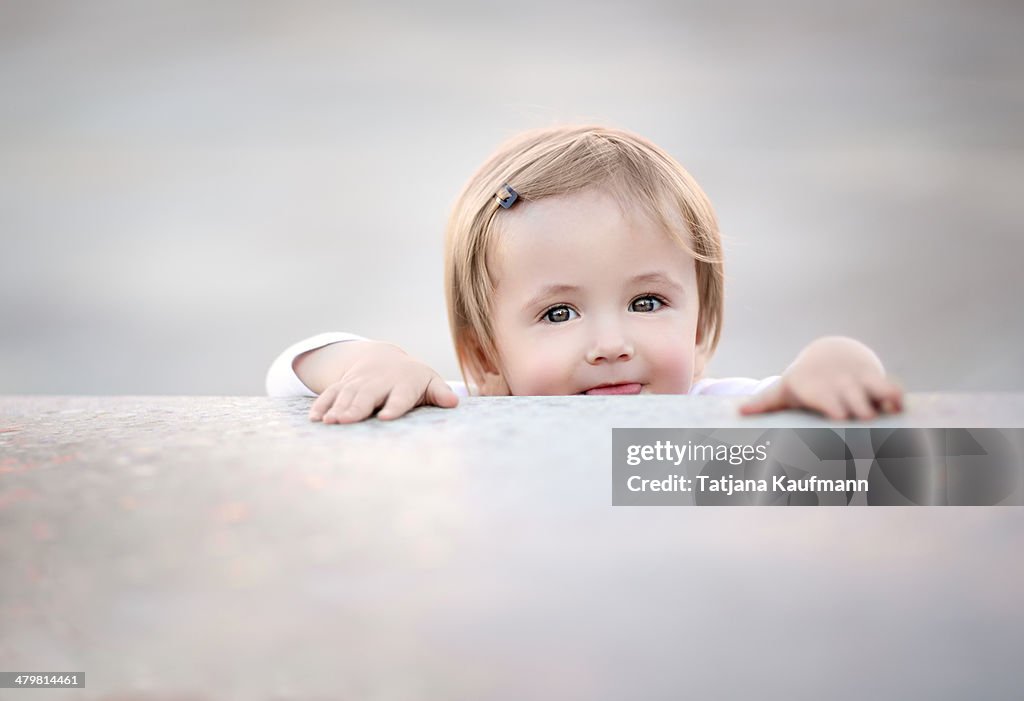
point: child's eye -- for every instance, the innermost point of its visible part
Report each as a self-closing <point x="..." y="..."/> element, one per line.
<point x="647" y="303"/>
<point x="557" y="315"/>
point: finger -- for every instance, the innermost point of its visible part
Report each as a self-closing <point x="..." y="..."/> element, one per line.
<point x="364" y="403"/>
<point x="855" y="399"/>
<point x="399" y="402"/>
<point x="341" y="403"/>
<point x="770" y="399"/>
<point x="897" y="394"/>
<point x="323" y="402"/>
<point x="440" y="394"/>
<point x="892" y="406"/>
<point x="829" y="405"/>
<point x="885" y="392"/>
<point x="823" y="401"/>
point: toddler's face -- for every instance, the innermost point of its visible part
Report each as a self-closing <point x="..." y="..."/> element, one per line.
<point x="589" y="297"/>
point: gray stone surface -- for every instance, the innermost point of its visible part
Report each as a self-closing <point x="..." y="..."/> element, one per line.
<point x="226" y="547"/>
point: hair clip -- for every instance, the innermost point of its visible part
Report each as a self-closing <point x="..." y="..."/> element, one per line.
<point x="506" y="196"/>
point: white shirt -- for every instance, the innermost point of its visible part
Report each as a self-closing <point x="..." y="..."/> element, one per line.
<point x="283" y="382"/>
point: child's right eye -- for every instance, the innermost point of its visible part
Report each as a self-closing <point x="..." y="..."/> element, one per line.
<point x="557" y="315"/>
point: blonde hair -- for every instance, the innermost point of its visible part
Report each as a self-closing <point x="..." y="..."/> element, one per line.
<point x="558" y="161"/>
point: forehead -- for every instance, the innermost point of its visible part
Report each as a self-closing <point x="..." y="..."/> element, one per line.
<point x="586" y="232"/>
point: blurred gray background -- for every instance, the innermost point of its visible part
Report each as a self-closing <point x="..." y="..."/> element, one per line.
<point x="186" y="188"/>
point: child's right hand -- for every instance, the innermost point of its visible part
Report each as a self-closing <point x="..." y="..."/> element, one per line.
<point x="380" y="375"/>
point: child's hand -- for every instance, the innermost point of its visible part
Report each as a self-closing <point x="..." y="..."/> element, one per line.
<point x="838" y="377"/>
<point x="380" y="375"/>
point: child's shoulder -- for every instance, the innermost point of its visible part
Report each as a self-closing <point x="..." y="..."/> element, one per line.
<point x="459" y="388"/>
<point x="731" y="385"/>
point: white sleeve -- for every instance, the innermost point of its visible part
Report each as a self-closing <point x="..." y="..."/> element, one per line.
<point x="458" y="387"/>
<point x="281" y="378"/>
<point x="283" y="382"/>
<point x="732" y="385"/>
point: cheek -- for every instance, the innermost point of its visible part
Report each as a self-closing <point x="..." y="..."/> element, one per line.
<point x="543" y="379"/>
<point x="536" y="369"/>
<point x="672" y="361"/>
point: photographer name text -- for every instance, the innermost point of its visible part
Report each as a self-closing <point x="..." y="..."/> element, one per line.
<point x="729" y="485"/>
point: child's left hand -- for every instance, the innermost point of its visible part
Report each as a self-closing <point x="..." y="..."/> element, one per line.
<point x="835" y="376"/>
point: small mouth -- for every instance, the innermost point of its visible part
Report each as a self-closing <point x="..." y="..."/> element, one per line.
<point x="631" y="388"/>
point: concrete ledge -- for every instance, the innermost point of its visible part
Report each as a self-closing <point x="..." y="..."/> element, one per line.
<point x="226" y="547"/>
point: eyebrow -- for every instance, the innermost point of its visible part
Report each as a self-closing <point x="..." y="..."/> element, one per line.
<point x="654" y="277"/>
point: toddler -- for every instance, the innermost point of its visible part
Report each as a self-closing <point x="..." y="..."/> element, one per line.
<point x="578" y="260"/>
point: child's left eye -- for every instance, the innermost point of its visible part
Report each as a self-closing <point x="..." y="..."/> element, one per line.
<point x="647" y="303"/>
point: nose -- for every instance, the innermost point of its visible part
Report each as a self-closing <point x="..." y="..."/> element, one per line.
<point x="610" y="347"/>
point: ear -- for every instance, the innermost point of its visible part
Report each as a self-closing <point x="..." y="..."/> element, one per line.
<point x="494" y="385"/>
<point x="488" y="379"/>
